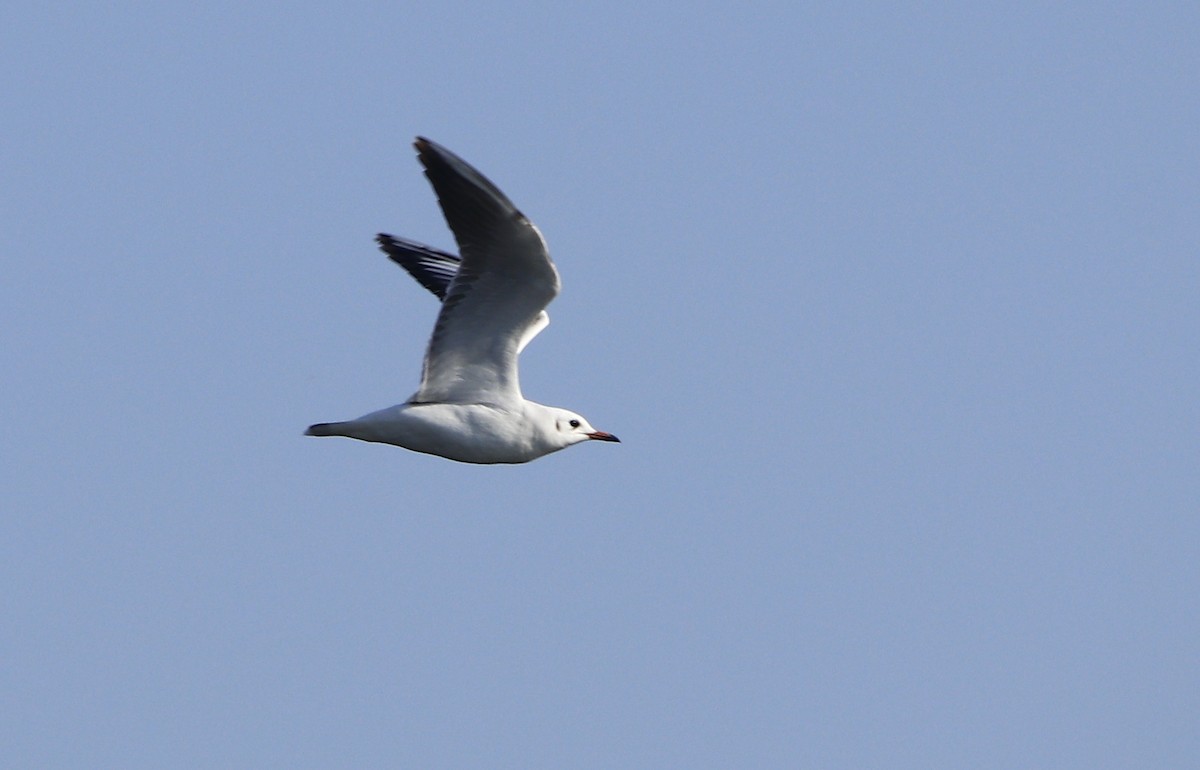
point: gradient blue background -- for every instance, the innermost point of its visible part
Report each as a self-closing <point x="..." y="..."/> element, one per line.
<point x="894" y="306"/>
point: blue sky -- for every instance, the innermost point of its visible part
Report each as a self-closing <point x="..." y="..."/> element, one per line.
<point x="894" y="307"/>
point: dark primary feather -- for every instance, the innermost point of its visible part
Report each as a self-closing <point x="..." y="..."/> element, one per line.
<point x="432" y="268"/>
<point x="472" y="205"/>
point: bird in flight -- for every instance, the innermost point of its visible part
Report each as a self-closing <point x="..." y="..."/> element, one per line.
<point x="469" y="405"/>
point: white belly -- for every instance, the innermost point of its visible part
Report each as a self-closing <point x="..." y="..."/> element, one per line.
<point x="469" y="433"/>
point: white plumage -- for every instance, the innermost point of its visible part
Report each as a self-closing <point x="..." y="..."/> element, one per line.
<point x="469" y="406"/>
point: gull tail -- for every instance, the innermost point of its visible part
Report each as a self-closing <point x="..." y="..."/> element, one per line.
<point x="326" y="429"/>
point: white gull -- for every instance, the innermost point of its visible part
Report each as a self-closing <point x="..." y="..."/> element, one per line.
<point x="469" y="406"/>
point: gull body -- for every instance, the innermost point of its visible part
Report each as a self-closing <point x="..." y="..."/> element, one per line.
<point x="469" y="406"/>
<point x="470" y="433"/>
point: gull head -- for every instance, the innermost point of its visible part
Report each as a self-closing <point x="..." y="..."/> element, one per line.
<point x="568" y="428"/>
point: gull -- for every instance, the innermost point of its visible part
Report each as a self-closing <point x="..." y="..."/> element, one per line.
<point x="469" y="405"/>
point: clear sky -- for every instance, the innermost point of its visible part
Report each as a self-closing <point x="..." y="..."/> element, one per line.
<point x="894" y="306"/>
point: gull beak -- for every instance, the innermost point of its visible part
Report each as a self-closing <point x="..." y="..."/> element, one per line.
<point x="600" y="435"/>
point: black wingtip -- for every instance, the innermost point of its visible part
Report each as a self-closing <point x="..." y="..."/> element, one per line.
<point x="423" y="145"/>
<point x="387" y="245"/>
<point x="459" y="185"/>
<point x="430" y="152"/>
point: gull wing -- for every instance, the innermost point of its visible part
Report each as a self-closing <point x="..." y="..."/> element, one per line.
<point x="432" y="268"/>
<point x="496" y="301"/>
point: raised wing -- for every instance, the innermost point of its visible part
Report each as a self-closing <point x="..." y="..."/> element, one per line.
<point x="495" y="302"/>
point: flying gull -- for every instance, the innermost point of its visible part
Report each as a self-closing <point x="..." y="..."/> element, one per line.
<point x="469" y="406"/>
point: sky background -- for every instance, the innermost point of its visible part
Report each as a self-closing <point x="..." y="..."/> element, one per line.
<point x="893" y="305"/>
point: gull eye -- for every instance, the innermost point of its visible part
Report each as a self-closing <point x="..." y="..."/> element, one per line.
<point x="574" y="423"/>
